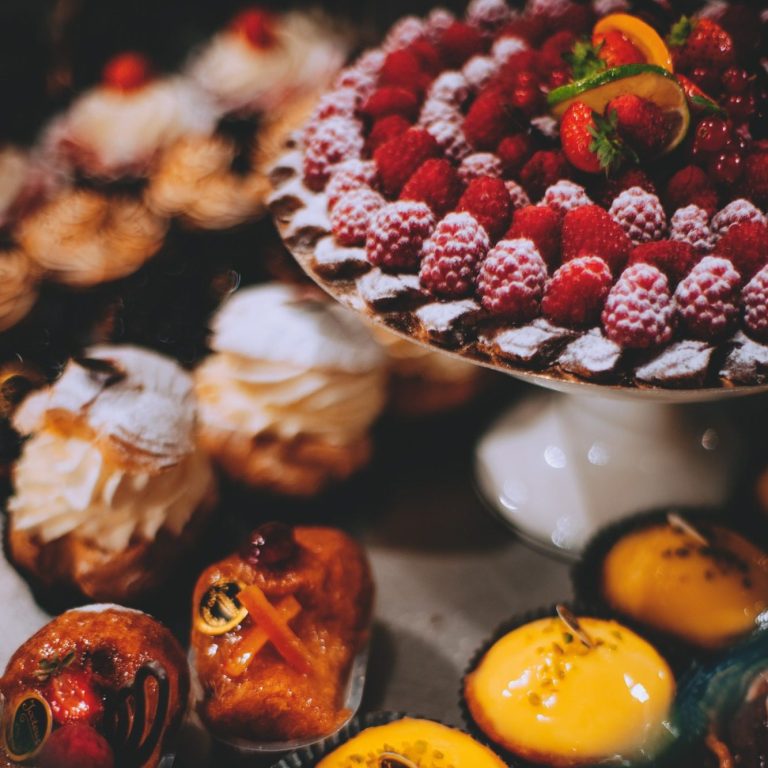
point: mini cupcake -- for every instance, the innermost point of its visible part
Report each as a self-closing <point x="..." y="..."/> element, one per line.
<point x="289" y="395"/>
<point x="83" y="238"/>
<point x="94" y="684"/>
<point x="275" y="631"/>
<point x="691" y="577"/>
<point x="110" y="490"/>
<point x="567" y="691"/>
<point x="117" y="128"/>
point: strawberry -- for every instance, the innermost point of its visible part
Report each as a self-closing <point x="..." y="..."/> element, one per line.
<point x="590" y="142"/>
<point x="615" y="49"/>
<point x="69" y="691"/>
<point x="701" y="43"/>
<point x="640" y="123"/>
<point x="127" y="71"/>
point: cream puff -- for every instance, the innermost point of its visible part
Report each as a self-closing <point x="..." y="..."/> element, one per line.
<point x="291" y="390"/>
<point x="110" y="489"/>
<point x="24" y="183"/>
<point x="19" y="278"/>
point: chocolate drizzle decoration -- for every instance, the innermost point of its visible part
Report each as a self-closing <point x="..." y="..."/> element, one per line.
<point x="104" y="372"/>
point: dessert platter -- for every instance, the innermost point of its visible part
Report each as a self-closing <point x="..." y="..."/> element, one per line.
<point x="240" y="517"/>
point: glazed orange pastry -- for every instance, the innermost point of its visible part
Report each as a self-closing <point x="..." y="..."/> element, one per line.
<point x="275" y="630"/>
<point x="97" y="686"/>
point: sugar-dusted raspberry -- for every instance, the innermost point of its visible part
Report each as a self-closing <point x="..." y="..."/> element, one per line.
<point x="674" y="258"/>
<point x="487" y="199"/>
<point x="755" y="180"/>
<point x="438" y="21"/>
<point x="754" y="299"/>
<point x="362" y="83"/>
<point x="513" y="151"/>
<point x="398" y="159"/>
<point x="403" y="69"/>
<point x="371" y="61"/>
<point x="736" y="212"/>
<point x="451" y="87"/>
<point x="397" y="234"/>
<point x="489" y="120"/>
<point x="518" y="197"/>
<point x="506" y="47"/>
<point x="575" y="295"/>
<point x="452" y="254"/>
<point x="632" y="177"/>
<point x="691" y="186"/>
<point x="349" y="176"/>
<point x="707" y="299"/>
<point x="449" y="136"/>
<point x="691" y="225"/>
<point x="352" y="215"/>
<point x="436" y="111"/>
<point x="544" y="168"/>
<point x="565" y="195"/>
<point x="639" y="312"/>
<point x="407" y="30"/>
<point x="746" y="245"/>
<point x="479" y="164"/>
<point x="459" y="43"/>
<point x="511" y="280"/>
<point x="590" y="231"/>
<point x="385" y="129"/>
<point x="391" y="100"/>
<point x="429" y="57"/>
<point x="540" y="224"/>
<point x="341" y="102"/>
<point x="640" y="214"/>
<point x="334" y="140"/>
<point x="435" y="183"/>
<point x="488" y="15"/>
<point x="479" y="71"/>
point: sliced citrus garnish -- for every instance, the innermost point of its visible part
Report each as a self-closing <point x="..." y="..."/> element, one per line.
<point x="647" y="81"/>
<point x="643" y="36"/>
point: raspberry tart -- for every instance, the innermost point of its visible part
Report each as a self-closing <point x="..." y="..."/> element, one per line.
<point x="556" y="191"/>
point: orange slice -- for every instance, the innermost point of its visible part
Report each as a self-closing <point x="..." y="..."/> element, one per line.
<point x="643" y="36"/>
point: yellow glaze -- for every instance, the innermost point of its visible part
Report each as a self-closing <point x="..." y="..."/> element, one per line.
<point x="547" y="697"/>
<point x="705" y="595"/>
<point x="643" y="36"/>
<point x="418" y="742"/>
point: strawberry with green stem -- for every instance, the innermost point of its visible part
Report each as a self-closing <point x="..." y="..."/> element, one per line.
<point x="700" y="43"/>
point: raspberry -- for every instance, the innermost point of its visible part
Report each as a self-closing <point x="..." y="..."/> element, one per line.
<point x="451" y="256"/>
<point x="746" y="245"/>
<point x="488" y="121"/>
<point x="479" y="71"/>
<point x="349" y="176"/>
<point x="736" y="212"/>
<point x="361" y="83"/>
<point x="691" y="225"/>
<point x="460" y="42"/>
<point x="450" y="138"/>
<point x="506" y="47"/>
<point x="754" y="297"/>
<point x="397" y="233"/>
<point x="575" y="295"/>
<point x="488" y="15"/>
<point x="517" y="195"/>
<point x="513" y="151"/>
<point x="391" y="101"/>
<point x="479" y="164"/>
<point x="633" y="177"/>
<point x="436" y="111"/>
<point x="352" y="214"/>
<point x="640" y="214"/>
<point x="541" y="225"/>
<point x="554" y="49"/>
<point x="755" y="180"/>
<point x="339" y="103"/>
<point x="404" y="32"/>
<point x="384" y="129"/>
<point x="488" y="201"/>
<point x="371" y="62"/>
<point x="590" y="231"/>
<point x="402" y="69"/>
<point x="707" y="298"/>
<point x="639" y="312"/>
<point x="543" y="169"/>
<point x="399" y="158"/>
<point x="450" y="87"/>
<point x="691" y="186"/>
<point x="674" y="258"/>
<point x="565" y="196"/>
<point x="438" y="21"/>
<point x="334" y="140"/>
<point x="428" y="56"/>
<point x="511" y="280"/>
<point x="435" y="183"/>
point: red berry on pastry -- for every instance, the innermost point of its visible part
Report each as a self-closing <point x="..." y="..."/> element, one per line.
<point x="565" y="196"/>
<point x="590" y="231"/>
<point x="488" y="201"/>
<point x="127" y="71"/>
<point x="640" y="214"/>
<point x="384" y="129"/>
<point x="400" y="158"/>
<point x="640" y="123"/>
<point x="71" y="694"/>
<point x="333" y="141"/>
<point x="707" y="298"/>
<point x="543" y="169"/>
<point x="511" y="280"/>
<point x="691" y="186"/>
<point x="575" y="295"/>
<point x="513" y="151"/>
<point x="76" y="746"/>
<point x="452" y="255"/>
<point x="639" y="313"/>
<point x="691" y="225"/>
<point x="403" y="69"/>
<point x="435" y="183"/>
<point x="489" y="120"/>
<point x="746" y="245"/>
<point x="459" y="43"/>
<point x="673" y="257"/>
<point x="352" y="215"/>
<point x="271" y="544"/>
<point x="755" y="301"/>
<point x="391" y="100"/>
<point x="397" y="233"/>
<point x="257" y="26"/>
<point x="540" y="224"/>
<point x="702" y="43"/>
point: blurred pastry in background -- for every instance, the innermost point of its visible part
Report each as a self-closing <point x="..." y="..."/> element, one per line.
<point x="24" y="183"/>
<point x="289" y="395"/>
<point x="115" y="129"/>
<point x="19" y="278"/>
<point x="83" y="238"/>
<point x="110" y="491"/>
<point x="422" y="381"/>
